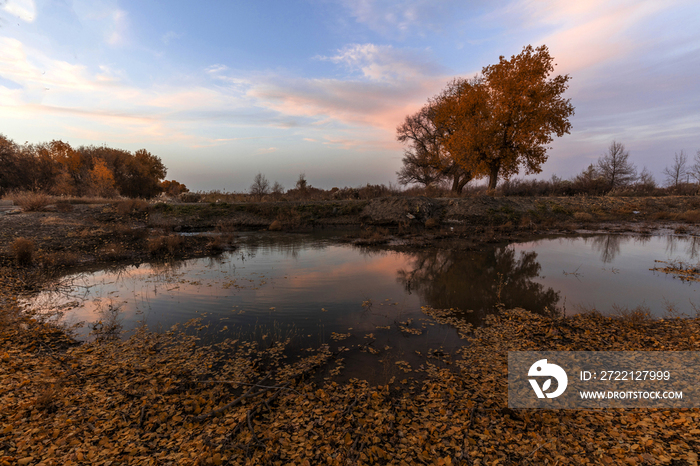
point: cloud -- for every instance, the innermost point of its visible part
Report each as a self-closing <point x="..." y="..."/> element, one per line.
<point x="23" y="9"/>
<point x="216" y="69"/>
<point x="385" y="63"/>
<point x="116" y="33"/>
<point x="393" y="83"/>
<point x="341" y="103"/>
<point x="169" y="36"/>
<point x="266" y="150"/>
<point x="103" y="99"/>
<point x="583" y="35"/>
<point x="404" y="18"/>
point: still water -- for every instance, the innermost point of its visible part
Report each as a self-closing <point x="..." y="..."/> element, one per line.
<point x="314" y="288"/>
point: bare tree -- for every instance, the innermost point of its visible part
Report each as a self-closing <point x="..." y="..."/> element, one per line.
<point x="301" y="182"/>
<point x="426" y="161"/>
<point x="277" y="188"/>
<point x="260" y="185"/>
<point x="417" y="169"/>
<point x="646" y="180"/>
<point x="615" y="167"/>
<point x="694" y="171"/>
<point x="678" y="172"/>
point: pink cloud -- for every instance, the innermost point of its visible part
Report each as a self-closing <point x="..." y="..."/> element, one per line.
<point x="585" y="34"/>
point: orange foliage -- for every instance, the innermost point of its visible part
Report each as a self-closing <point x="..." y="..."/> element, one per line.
<point x="504" y="119"/>
<point x="102" y="179"/>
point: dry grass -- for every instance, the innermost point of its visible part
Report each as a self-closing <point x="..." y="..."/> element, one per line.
<point x="275" y="226"/>
<point x="126" y="232"/>
<point x="160" y="221"/>
<point x="161" y="245"/>
<point x="583" y="217"/>
<point x="23" y="250"/>
<point x="637" y="315"/>
<point x="690" y="216"/>
<point x="113" y="252"/>
<point x="373" y="237"/>
<point x="30" y="201"/>
<point x="662" y="215"/>
<point x="131" y="206"/>
<point x="527" y="223"/>
<point x="59" y="259"/>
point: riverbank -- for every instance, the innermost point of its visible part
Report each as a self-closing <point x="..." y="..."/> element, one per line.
<point x="162" y="399"/>
<point x="63" y="236"/>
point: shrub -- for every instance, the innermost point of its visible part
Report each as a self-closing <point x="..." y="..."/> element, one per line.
<point x="30" y="201"/>
<point x="275" y="226"/>
<point x="23" y="250"/>
<point x="190" y="197"/>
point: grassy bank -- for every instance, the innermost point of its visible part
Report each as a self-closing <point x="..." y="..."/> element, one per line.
<point x="162" y="399"/>
<point x="58" y="236"/>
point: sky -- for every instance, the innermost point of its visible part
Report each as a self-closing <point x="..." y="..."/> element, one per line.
<point x="221" y="91"/>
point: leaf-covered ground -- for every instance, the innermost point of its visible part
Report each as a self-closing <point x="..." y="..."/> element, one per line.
<point x="162" y="399"/>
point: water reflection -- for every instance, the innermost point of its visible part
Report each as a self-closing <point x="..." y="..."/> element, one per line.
<point x="607" y="246"/>
<point x="478" y="281"/>
<point x="317" y="284"/>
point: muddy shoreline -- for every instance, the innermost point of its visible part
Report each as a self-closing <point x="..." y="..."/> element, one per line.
<point x="63" y="238"/>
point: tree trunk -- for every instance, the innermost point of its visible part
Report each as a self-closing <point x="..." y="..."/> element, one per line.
<point x="459" y="181"/>
<point x="455" y="184"/>
<point x="493" y="175"/>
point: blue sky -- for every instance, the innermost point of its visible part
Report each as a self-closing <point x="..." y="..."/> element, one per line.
<point x="224" y="90"/>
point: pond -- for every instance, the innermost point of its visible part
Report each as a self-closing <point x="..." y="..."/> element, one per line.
<point x="317" y="290"/>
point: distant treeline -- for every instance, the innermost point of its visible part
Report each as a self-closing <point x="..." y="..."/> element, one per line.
<point x="59" y="169"/>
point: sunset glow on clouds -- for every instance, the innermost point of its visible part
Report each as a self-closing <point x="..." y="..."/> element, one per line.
<point x="221" y="93"/>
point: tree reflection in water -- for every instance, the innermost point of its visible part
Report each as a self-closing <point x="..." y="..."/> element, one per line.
<point x="471" y="281"/>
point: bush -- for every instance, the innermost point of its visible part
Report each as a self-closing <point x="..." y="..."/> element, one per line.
<point x="275" y="226"/>
<point x="23" y="250"/>
<point x="190" y="197"/>
<point x="30" y="201"/>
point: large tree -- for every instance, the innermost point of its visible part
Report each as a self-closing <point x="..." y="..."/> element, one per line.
<point x="426" y="160"/>
<point x="505" y="119"/>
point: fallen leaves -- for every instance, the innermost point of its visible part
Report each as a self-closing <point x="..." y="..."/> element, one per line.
<point x="148" y="400"/>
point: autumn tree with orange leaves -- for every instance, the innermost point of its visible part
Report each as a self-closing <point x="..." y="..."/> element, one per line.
<point x="504" y="119"/>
